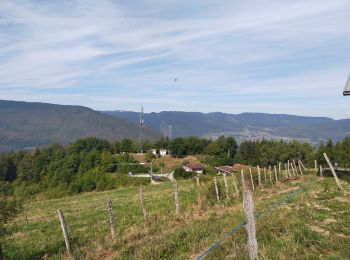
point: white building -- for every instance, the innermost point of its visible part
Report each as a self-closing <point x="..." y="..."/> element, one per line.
<point x="163" y="152"/>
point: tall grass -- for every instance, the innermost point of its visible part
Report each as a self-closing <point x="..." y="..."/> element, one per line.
<point x="287" y="232"/>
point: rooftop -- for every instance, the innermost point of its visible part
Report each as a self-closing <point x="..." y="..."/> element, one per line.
<point x="225" y="168"/>
<point x="194" y="166"/>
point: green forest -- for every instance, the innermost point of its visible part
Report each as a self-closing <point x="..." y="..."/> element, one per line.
<point x="95" y="164"/>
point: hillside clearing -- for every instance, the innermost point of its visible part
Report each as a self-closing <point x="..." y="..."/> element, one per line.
<point x="315" y="224"/>
<point x="169" y="163"/>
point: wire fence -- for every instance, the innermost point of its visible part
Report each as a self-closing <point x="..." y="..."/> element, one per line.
<point x="258" y="215"/>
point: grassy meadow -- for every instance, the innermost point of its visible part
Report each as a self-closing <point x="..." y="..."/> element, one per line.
<point x="313" y="225"/>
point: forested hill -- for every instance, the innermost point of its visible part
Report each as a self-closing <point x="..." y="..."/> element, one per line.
<point x="244" y="126"/>
<point x="26" y="125"/>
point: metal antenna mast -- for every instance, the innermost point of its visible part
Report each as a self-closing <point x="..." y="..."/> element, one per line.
<point x="169" y="131"/>
<point x="141" y="125"/>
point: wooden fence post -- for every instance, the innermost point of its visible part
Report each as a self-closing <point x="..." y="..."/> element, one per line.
<point x="259" y="175"/>
<point x="270" y="176"/>
<point x="315" y="166"/>
<point x="142" y="200"/>
<point x="288" y="172"/>
<point x="243" y="181"/>
<point x="291" y="166"/>
<point x="198" y="192"/>
<point x="65" y="232"/>
<point x="279" y="168"/>
<point x="285" y="170"/>
<point x="111" y="217"/>
<point x="248" y="209"/>
<point x="276" y="177"/>
<point x="299" y="165"/>
<point x="321" y="171"/>
<point x="302" y="165"/>
<point x="295" y="167"/>
<point x="234" y="182"/>
<point x="251" y="179"/>
<point x="333" y="171"/>
<point x="226" y="185"/>
<point x="216" y="190"/>
<point x="177" y="201"/>
<point x="265" y="175"/>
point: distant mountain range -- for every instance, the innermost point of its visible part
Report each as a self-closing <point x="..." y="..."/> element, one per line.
<point x="27" y="125"/>
<point x="243" y="126"/>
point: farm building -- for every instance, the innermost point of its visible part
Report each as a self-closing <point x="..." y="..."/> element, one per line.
<point x="156" y="180"/>
<point x="163" y="152"/>
<point x="224" y="169"/>
<point x="193" y="167"/>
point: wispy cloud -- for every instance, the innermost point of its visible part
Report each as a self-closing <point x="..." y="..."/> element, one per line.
<point x="230" y="56"/>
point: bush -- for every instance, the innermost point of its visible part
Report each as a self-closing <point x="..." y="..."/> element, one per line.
<point x="54" y="193"/>
<point x="180" y="173"/>
<point x="85" y="181"/>
<point x="210" y="170"/>
<point x="9" y="208"/>
<point x="217" y="161"/>
<point x="95" y="180"/>
<point x="184" y="162"/>
<point x="27" y="191"/>
<point x="149" y="156"/>
<point x="92" y="180"/>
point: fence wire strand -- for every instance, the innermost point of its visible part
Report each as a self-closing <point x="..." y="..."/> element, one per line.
<point x="257" y="216"/>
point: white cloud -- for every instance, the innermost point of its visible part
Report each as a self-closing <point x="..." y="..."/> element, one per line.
<point x="232" y="49"/>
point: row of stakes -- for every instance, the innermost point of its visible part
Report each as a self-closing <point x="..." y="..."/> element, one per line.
<point x="291" y="170"/>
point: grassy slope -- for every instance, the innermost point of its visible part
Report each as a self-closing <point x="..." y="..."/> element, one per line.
<point x="316" y="224"/>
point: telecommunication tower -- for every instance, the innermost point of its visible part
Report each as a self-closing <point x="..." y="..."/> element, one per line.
<point x="141" y="126"/>
<point x="169" y="131"/>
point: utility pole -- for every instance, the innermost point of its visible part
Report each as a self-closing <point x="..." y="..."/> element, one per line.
<point x="141" y="126"/>
<point x="152" y="167"/>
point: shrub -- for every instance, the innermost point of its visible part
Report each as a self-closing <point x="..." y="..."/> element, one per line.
<point x="180" y="173"/>
<point x="9" y="208"/>
<point x="184" y="162"/>
<point x="149" y="156"/>
<point x="27" y="191"/>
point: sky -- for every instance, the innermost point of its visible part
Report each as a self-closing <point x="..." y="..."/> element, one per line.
<point x="270" y="56"/>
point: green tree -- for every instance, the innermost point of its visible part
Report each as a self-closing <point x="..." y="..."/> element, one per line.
<point x="126" y="146"/>
<point x="7" y="168"/>
<point x="177" y="147"/>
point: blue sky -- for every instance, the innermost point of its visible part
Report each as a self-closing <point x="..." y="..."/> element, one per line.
<point x="286" y="56"/>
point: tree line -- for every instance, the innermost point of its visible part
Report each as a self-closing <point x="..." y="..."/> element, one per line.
<point x="95" y="164"/>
